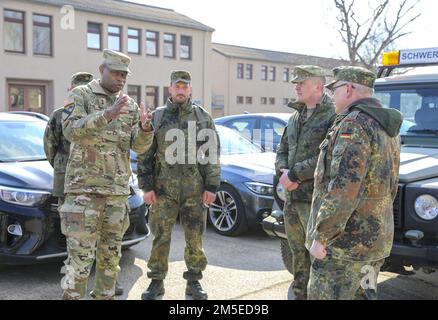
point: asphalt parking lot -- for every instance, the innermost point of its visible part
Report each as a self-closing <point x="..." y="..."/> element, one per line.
<point x="244" y="268"/>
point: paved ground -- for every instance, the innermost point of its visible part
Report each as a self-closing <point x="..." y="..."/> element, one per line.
<point x="248" y="268"/>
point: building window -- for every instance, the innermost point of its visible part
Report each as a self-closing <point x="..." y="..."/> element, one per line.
<point x="239" y="100"/>
<point x="272" y="101"/>
<point x="264" y="100"/>
<point x="152" y="38"/>
<point x="134" y="41"/>
<point x="285" y="101"/>
<point x="169" y="45"/>
<point x="286" y="75"/>
<point x="240" y="71"/>
<point x="14" y="31"/>
<point x="166" y="94"/>
<point x="27" y="98"/>
<point x="272" y="73"/>
<point x="249" y="72"/>
<point x="152" y="97"/>
<point x="115" y="38"/>
<point x="94" y="36"/>
<point x="264" y="73"/>
<point x="248" y="100"/>
<point x="42" y="35"/>
<point x="186" y="48"/>
<point x="135" y="93"/>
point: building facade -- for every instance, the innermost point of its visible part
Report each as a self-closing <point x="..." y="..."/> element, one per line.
<point x="44" y="42"/>
<point x="256" y="81"/>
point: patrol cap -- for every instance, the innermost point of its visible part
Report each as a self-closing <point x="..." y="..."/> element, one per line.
<point x="352" y="74"/>
<point x="302" y="73"/>
<point x="81" y="78"/>
<point x="116" y="61"/>
<point x="180" y="76"/>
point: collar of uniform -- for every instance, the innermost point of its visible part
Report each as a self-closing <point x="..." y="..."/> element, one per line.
<point x="300" y="106"/>
<point x="174" y="107"/>
<point x="98" y="89"/>
<point x="372" y="102"/>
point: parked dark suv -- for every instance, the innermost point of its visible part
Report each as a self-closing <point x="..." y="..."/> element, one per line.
<point x="414" y="92"/>
<point x="29" y="221"/>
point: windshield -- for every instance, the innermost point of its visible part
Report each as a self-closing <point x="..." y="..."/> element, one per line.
<point x="22" y="141"/>
<point x="418" y="105"/>
<point x="234" y="143"/>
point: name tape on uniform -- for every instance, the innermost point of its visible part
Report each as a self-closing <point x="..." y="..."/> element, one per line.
<point x="419" y="56"/>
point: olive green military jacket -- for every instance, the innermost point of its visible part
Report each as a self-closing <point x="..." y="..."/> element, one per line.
<point x="99" y="160"/>
<point x="299" y="147"/>
<point x="356" y="183"/>
<point x="184" y="178"/>
<point x="57" y="149"/>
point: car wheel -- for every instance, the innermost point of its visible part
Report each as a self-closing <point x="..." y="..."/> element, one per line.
<point x="286" y="255"/>
<point x="227" y="214"/>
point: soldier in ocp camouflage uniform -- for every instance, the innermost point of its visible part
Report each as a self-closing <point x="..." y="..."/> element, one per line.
<point x="179" y="188"/>
<point x="102" y="125"/>
<point x="56" y="146"/>
<point x="297" y="156"/>
<point x="351" y="228"/>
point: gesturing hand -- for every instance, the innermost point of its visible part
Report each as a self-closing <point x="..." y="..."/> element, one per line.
<point x="145" y="118"/>
<point x="118" y="108"/>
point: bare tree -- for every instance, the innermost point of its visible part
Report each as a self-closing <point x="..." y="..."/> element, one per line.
<point x="366" y="40"/>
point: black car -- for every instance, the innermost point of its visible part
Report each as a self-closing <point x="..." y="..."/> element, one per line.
<point x="263" y="129"/>
<point x="29" y="220"/>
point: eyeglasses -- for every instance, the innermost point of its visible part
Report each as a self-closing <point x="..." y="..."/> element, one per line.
<point x="332" y="90"/>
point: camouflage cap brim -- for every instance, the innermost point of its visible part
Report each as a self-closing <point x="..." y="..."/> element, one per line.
<point x="305" y="72"/>
<point x="81" y="78"/>
<point x="331" y="84"/>
<point x="299" y="79"/>
<point x="180" y="76"/>
<point x="181" y="80"/>
<point x="118" y="68"/>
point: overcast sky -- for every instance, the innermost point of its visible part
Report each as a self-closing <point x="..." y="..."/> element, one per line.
<point x="297" y="26"/>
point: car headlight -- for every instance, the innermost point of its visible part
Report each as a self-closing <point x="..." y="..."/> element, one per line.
<point x="426" y="207"/>
<point x="133" y="182"/>
<point x="260" y="188"/>
<point x="281" y="192"/>
<point x="22" y="197"/>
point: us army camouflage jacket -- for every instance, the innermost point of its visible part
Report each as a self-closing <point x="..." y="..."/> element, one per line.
<point x="299" y="147"/>
<point x="57" y="149"/>
<point x="356" y="183"/>
<point x="171" y="180"/>
<point x="99" y="160"/>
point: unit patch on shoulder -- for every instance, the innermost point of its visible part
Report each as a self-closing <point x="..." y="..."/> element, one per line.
<point x="68" y="110"/>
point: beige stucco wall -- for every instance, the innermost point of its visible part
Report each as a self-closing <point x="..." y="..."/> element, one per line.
<point x="70" y="55"/>
<point x="220" y="84"/>
<point x="231" y="87"/>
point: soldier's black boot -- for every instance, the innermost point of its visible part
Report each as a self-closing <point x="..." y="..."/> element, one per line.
<point x="155" y="289"/>
<point x="195" y="291"/>
<point x="119" y="289"/>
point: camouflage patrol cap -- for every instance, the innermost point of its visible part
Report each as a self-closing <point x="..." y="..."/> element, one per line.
<point x="352" y="74"/>
<point x="81" y="78"/>
<point x="302" y="73"/>
<point x="180" y="76"/>
<point x="116" y="61"/>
